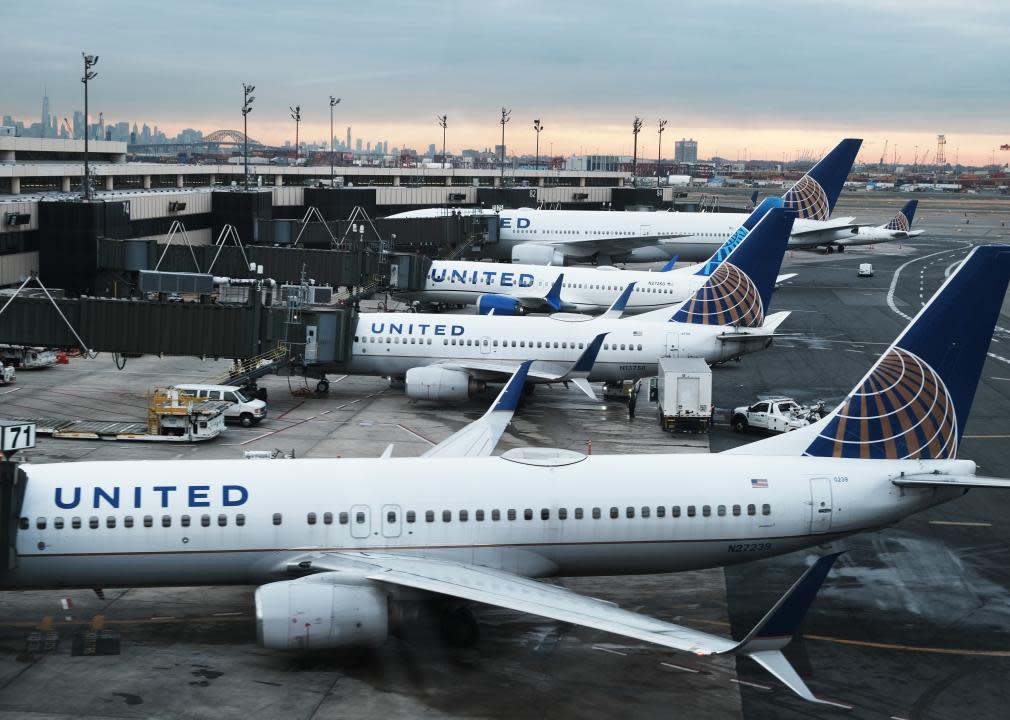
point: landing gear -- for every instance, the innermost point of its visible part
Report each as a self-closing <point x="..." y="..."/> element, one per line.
<point x="459" y="627"/>
<point x="840" y="248"/>
<point x="323" y="386"/>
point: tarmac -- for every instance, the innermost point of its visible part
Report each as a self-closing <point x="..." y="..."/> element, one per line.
<point x="913" y="622"/>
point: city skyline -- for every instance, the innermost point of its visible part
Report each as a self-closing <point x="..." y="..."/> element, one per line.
<point x="812" y="76"/>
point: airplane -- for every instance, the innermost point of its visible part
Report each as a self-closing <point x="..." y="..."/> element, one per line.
<point x="343" y="561"/>
<point x="511" y="289"/>
<point x="897" y="228"/>
<point x="560" y="237"/>
<point x="450" y="357"/>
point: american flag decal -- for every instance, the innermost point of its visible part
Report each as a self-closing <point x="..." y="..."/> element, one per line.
<point x="758" y="484"/>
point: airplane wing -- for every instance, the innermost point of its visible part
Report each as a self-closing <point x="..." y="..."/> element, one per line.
<point x="587" y="247"/>
<point x="765" y="332"/>
<point x="506" y="590"/>
<point x="479" y="438"/>
<point x="822" y="233"/>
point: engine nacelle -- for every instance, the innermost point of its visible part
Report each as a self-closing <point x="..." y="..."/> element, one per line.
<point x="501" y="304"/>
<point x="309" y="614"/>
<point x="532" y="254"/>
<point x="437" y="383"/>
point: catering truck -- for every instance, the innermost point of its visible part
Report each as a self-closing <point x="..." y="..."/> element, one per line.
<point x="683" y="394"/>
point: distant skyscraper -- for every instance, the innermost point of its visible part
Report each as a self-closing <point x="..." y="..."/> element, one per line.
<point x="385" y="147"/>
<point x="431" y="149"/>
<point x="348" y="146"/>
<point x="45" y="114"/>
<point x="8" y="121"/>
<point x="686" y="151"/>
<point x="79" y="128"/>
<point x="357" y="144"/>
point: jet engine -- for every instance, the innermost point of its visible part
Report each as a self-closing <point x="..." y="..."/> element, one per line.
<point x="437" y="383"/>
<point x="312" y="614"/>
<point x="501" y="304"/>
<point x="533" y="254"/>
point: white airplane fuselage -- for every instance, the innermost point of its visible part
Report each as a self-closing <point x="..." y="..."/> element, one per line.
<point x="584" y="289"/>
<point x="389" y="344"/>
<point x="162" y="523"/>
<point x="700" y="234"/>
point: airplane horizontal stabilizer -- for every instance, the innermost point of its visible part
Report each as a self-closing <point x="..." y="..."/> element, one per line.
<point x="962" y="481"/>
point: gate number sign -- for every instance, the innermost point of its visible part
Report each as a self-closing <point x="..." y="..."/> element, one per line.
<point x="16" y="435"/>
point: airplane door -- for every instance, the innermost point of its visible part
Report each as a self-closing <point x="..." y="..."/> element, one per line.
<point x="672" y="345"/>
<point x="392" y="522"/>
<point x="821" y="507"/>
<point x="645" y="230"/>
<point x="485" y="346"/>
<point x="361" y="521"/>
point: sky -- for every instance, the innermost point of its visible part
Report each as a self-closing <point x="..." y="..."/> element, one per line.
<point x="764" y="80"/>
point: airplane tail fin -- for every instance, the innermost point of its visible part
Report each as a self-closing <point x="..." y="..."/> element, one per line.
<point x="903" y="220"/>
<point x="670" y="264"/>
<point x="914" y="401"/>
<point x="739" y="291"/>
<point x="814" y="195"/>
<point x="737" y="237"/>
<point x="553" y="296"/>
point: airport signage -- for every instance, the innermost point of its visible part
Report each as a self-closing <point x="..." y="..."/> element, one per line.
<point x="16" y="435"/>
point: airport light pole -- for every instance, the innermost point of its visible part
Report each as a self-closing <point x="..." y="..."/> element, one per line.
<point x="89" y="62"/>
<point x="659" y="153"/>
<point x="333" y="102"/>
<point x="537" y="127"/>
<point x="443" y="122"/>
<point x="636" y="127"/>
<point x="296" y="115"/>
<point x="247" y="101"/>
<point x="505" y="117"/>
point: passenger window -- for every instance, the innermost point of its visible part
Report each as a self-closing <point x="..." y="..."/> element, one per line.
<point x="528" y="513"/>
<point x="751" y="510"/>
<point x="691" y="511"/>
<point x="479" y="516"/>
<point x="545" y="514"/>
<point x="645" y="511"/>
<point x="464" y="515"/>
<point x="411" y="516"/>
<point x="766" y="509"/>
<point x="629" y="512"/>
<point x="596" y="513"/>
<point x="311" y="518"/>
<point x="75" y="523"/>
<point x="327" y="518"/>
<point x="496" y="515"/>
<point x="184" y="521"/>
<point x="110" y="522"/>
<point x="222" y="520"/>
<point x="722" y="510"/>
<point x="614" y="513"/>
<point x="40" y="523"/>
<point x="240" y="519"/>
<point x="706" y="510"/>
<point x="359" y="518"/>
<point x="204" y="521"/>
<point x="166" y="521"/>
<point x="58" y="523"/>
<point x="344" y="518"/>
<point x="447" y="516"/>
<point x="578" y="513"/>
<point x="511" y="514"/>
<point x="562" y="513"/>
<point x="93" y="522"/>
<point x="660" y="511"/>
<point x="736" y="510"/>
<point x="278" y="518"/>
<point x="429" y="516"/>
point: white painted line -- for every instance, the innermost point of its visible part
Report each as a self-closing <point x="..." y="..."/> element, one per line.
<point x="164" y="617"/>
<point x="8" y="392"/>
<point x="419" y="437"/>
<point x="226" y="614"/>
<point x="749" y="684"/>
<point x="960" y="524"/>
<point x="258" y="437"/>
<point x="897" y="274"/>
<point x="608" y="650"/>
<point x="679" y="667"/>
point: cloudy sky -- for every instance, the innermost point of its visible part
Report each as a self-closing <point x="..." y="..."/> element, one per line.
<point x="766" y="78"/>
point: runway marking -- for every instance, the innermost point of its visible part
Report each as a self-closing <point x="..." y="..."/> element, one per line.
<point x="986" y="437"/>
<point x="897" y="274"/>
<point x="8" y="392"/>
<point x="227" y="614"/>
<point x="749" y="684"/>
<point x="420" y="437"/>
<point x="290" y="409"/>
<point x="608" y="650"/>
<point x="993" y="377"/>
<point x="960" y="523"/>
<point x="163" y="617"/>
<point x="680" y="667"/>
<point x="910" y="648"/>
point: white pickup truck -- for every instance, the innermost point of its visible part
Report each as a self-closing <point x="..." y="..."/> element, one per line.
<point x="777" y="415"/>
<point x="6" y="374"/>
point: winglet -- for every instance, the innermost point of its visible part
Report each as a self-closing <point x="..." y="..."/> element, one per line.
<point x="617" y="308"/>
<point x="778" y="627"/>
<point x="588" y="358"/>
<point x="670" y="264"/>
<point x="553" y="296"/>
<point x="508" y="398"/>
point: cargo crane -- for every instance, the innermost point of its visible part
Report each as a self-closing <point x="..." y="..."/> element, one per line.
<point x="883" y="155"/>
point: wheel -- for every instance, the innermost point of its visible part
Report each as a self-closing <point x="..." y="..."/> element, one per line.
<point x="740" y="424"/>
<point x="459" y="627"/>
<point x="323" y="386"/>
<point x="246" y="420"/>
<point x="841" y="248"/>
